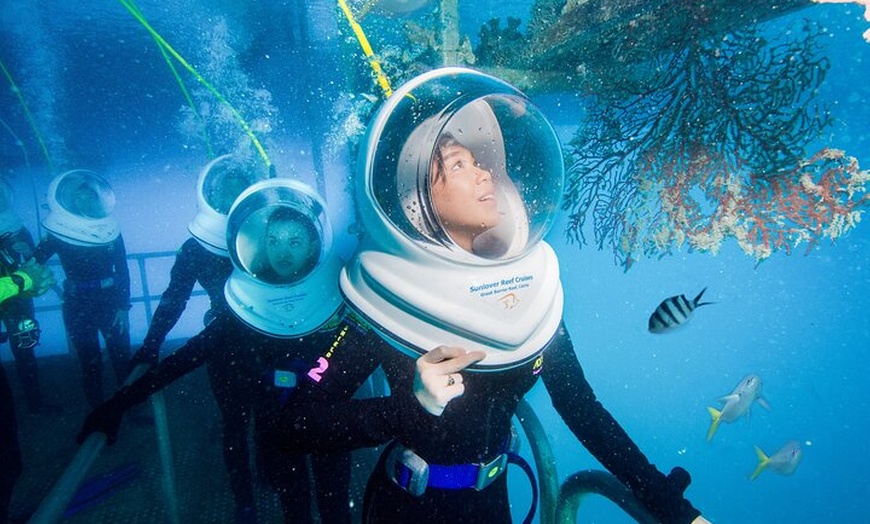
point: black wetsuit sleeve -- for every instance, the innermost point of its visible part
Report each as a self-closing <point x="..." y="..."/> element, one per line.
<point x="121" y="275"/>
<point x="46" y="249"/>
<point x="324" y="419"/>
<point x="327" y="427"/>
<point x="182" y="279"/>
<point x="187" y="358"/>
<point x="605" y="439"/>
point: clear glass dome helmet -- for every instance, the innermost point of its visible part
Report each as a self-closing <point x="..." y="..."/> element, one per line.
<point x="220" y="182"/>
<point x="502" y="133"/>
<point x="285" y="277"/>
<point x="460" y="178"/>
<point x="81" y="205"/>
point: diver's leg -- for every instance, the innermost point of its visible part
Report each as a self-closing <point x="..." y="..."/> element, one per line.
<point x="10" y="453"/>
<point x="235" y="409"/>
<point x="288" y="476"/>
<point x="23" y="338"/>
<point x="117" y="343"/>
<point x="82" y="329"/>
<point x="25" y="362"/>
<point x="332" y="487"/>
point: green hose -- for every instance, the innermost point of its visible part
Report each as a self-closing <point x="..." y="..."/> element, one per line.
<point x="29" y="117"/>
<point x="164" y="45"/>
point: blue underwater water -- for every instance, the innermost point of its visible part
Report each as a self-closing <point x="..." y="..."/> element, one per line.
<point x="800" y="322"/>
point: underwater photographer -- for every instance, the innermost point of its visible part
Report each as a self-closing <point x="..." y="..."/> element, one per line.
<point x="21" y="328"/>
<point x="16" y="281"/>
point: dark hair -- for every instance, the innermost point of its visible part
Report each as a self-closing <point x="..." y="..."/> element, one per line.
<point x="444" y="141"/>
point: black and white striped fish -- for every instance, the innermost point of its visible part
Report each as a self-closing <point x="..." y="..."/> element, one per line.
<point x="674" y="312"/>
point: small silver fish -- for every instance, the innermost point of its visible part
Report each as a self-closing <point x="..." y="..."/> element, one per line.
<point x="674" y="312"/>
<point x="784" y="461"/>
<point x="737" y="403"/>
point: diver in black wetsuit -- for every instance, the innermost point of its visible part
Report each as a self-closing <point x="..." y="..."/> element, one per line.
<point x="259" y="352"/>
<point x="193" y="264"/>
<point x="22" y="328"/>
<point x="85" y="236"/>
<point x="202" y="258"/>
<point x="26" y="281"/>
<point x="453" y="269"/>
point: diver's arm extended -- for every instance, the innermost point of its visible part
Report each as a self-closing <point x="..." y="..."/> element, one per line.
<point x="173" y="301"/>
<point x="46" y="249"/>
<point x="106" y="417"/>
<point x="602" y="435"/>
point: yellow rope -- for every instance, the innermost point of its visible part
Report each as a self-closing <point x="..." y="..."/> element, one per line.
<point x="367" y="49"/>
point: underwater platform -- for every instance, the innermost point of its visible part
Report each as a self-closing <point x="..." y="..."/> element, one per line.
<point x="125" y="483"/>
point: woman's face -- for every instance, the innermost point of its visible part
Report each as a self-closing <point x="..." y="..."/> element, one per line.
<point x="87" y="203"/>
<point x="463" y="194"/>
<point x="289" y="248"/>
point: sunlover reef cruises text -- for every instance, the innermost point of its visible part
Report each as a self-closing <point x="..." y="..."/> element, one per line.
<point x="502" y="284"/>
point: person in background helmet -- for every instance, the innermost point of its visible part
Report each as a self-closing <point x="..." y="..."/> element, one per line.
<point x="284" y="310"/>
<point x="203" y="257"/>
<point x="454" y="276"/>
<point x="22" y="328"/>
<point x="84" y="234"/>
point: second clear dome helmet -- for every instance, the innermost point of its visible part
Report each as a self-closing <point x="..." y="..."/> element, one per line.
<point x="220" y="182"/>
<point x="285" y="277"/>
<point x="81" y="205"/>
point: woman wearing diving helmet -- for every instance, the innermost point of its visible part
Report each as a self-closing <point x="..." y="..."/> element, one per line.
<point x="84" y="233"/>
<point x="461" y="178"/>
<point x="282" y="310"/>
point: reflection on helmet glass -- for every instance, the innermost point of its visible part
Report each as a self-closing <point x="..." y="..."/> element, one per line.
<point x="223" y="186"/>
<point x="279" y="245"/>
<point x="86" y="195"/>
<point x="484" y="179"/>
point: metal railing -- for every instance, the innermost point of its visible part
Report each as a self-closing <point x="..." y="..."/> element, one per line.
<point x="144" y="296"/>
<point x="53" y="504"/>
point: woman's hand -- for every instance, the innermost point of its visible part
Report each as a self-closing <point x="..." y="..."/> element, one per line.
<point x="437" y="380"/>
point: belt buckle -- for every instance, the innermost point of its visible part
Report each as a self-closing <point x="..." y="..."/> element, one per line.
<point x="416" y="466"/>
<point x="487" y="473"/>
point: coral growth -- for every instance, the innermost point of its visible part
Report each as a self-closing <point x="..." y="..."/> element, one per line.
<point x="708" y="144"/>
<point x="501" y="46"/>
<point x="820" y="198"/>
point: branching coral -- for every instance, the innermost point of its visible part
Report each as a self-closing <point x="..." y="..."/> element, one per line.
<point x="710" y="144"/>
<point x="820" y="198"/>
